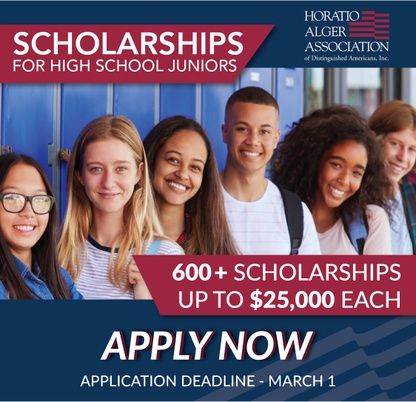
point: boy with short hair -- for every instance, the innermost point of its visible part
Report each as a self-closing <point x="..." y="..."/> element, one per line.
<point x="254" y="204"/>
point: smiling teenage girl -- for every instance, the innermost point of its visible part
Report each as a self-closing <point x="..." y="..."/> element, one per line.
<point x="28" y="218"/>
<point x="111" y="212"/>
<point x="187" y="186"/>
<point x="331" y="159"/>
<point x="394" y="123"/>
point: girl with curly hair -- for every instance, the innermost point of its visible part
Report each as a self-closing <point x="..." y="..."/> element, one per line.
<point x="186" y="182"/>
<point x="331" y="159"/>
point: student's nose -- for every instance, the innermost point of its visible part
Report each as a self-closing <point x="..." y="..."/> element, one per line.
<point x="182" y="172"/>
<point x="344" y="178"/>
<point x="253" y="138"/>
<point x="107" y="180"/>
<point x="402" y="154"/>
<point x="27" y="210"/>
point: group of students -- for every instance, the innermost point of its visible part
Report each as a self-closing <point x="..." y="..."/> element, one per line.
<point x="165" y="195"/>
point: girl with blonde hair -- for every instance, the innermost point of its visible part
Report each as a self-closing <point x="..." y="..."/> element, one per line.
<point x="111" y="212"/>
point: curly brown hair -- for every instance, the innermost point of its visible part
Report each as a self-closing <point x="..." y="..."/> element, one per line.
<point x="296" y="162"/>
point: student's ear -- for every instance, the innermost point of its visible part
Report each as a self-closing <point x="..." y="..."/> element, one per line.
<point x="79" y="177"/>
<point x="139" y="173"/>
<point x="278" y="132"/>
<point x="224" y="133"/>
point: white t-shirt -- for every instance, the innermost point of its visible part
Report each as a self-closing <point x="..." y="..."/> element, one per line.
<point x="94" y="283"/>
<point x="260" y="227"/>
<point x="400" y="238"/>
<point x="336" y="241"/>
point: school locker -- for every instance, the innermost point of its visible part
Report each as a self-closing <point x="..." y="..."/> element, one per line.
<point x="43" y="120"/>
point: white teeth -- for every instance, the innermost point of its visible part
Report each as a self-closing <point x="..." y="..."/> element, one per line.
<point x="253" y="154"/>
<point x="337" y="192"/>
<point x="396" y="168"/>
<point x="177" y="185"/>
<point x="24" y="228"/>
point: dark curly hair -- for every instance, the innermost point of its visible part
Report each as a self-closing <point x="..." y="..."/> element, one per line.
<point x="296" y="162"/>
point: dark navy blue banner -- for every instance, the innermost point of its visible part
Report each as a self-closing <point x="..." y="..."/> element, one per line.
<point x="54" y="351"/>
<point x="305" y="33"/>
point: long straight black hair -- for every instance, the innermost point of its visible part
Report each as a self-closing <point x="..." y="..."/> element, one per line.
<point x="44" y="250"/>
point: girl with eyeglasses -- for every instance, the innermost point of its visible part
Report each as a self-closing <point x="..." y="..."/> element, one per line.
<point x="28" y="217"/>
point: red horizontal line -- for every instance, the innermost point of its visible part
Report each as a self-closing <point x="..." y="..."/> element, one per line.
<point x="355" y="35"/>
<point x="381" y="32"/>
<point x="377" y="21"/>
<point x="382" y="37"/>
<point x="361" y="23"/>
<point x="382" y="15"/>
<point x="369" y="12"/>
<point x="382" y="26"/>
<point x="362" y="29"/>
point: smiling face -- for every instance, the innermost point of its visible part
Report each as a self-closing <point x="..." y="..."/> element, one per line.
<point x="399" y="153"/>
<point x="341" y="171"/>
<point x="23" y="230"/>
<point x="109" y="174"/>
<point x="179" y="167"/>
<point x="251" y="134"/>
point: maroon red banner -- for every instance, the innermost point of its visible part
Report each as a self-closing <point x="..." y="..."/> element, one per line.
<point x="281" y="285"/>
<point x="127" y="53"/>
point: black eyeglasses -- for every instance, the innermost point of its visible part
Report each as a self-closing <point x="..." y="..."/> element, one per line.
<point x="15" y="203"/>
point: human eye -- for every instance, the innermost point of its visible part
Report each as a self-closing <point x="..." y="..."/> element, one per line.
<point x="95" y="169"/>
<point x="173" y="160"/>
<point x="13" y="197"/>
<point x="265" y="132"/>
<point x="335" y="165"/>
<point x="412" y="149"/>
<point x="358" y="173"/>
<point x="121" y="168"/>
<point x="241" y="129"/>
<point x="196" y="168"/>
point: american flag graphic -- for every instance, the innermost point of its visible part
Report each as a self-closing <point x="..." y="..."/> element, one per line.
<point x="372" y="25"/>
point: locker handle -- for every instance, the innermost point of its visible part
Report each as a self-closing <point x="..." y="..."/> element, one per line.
<point x="5" y="149"/>
<point x="65" y="154"/>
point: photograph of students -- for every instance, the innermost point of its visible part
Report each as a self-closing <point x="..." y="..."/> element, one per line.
<point x="28" y="221"/>
<point x="254" y="205"/>
<point x="331" y="159"/>
<point x="111" y="212"/>
<point x="186" y="182"/>
<point x="394" y="123"/>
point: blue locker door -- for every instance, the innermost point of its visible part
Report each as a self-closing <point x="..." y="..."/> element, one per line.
<point x="178" y="99"/>
<point x="290" y="96"/>
<point x="214" y="98"/>
<point x="80" y="105"/>
<point x="257" y="77"/>
<point x="28" y="120"/>
<point x="136" y="102"/>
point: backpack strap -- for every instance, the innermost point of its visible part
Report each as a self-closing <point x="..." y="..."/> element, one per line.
<point x="154" y="247"/>
<point x="294" y="218"/>
<point x="357" y="230"/>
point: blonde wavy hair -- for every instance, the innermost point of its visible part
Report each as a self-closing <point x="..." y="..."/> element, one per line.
<point x="140" y="214"/>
